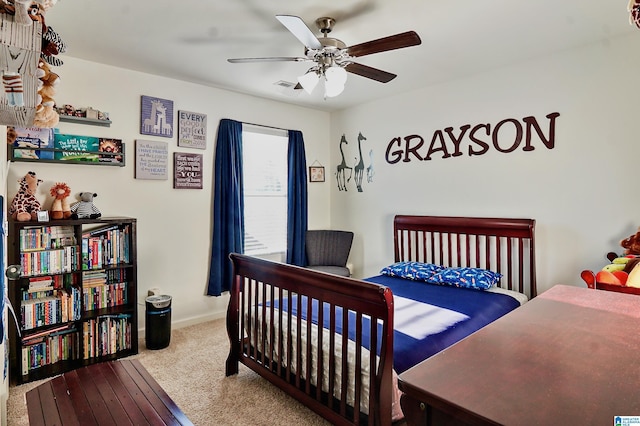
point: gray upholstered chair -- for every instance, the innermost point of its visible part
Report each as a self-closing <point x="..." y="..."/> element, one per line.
<point x="328" y="251"/>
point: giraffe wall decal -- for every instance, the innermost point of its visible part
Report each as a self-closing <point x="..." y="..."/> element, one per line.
<point x="370" y="171"/>
<point x="340" y="173"/>
<point x="151" y="120"/>
<point x="359" y="168"/>
<point x="161" y="125"/>
<point x="160" y="119"/>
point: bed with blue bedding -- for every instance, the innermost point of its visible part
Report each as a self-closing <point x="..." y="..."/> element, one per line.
<point x="451" y="277"/>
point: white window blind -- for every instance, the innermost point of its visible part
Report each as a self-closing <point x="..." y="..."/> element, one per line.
<point x="264" y="156"/>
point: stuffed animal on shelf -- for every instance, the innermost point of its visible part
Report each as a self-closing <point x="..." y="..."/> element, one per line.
<point x="46" y="115"/>
<point x="85" y="209"/>
<point x="632" y="244"/>
<point x="25" y="206"/>
<point x="60" y="208"/>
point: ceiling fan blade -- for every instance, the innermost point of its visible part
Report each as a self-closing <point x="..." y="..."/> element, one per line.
<point x="369" y="72"/>
<point x="398" y="41"/>
<point x="300" y="30"/>
<point x="271" y="59"/>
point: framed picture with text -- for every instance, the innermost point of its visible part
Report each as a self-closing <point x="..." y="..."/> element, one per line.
<point x="192" y="130"/>
<point x="151" y="160"/>
<point x="187" y="170"/>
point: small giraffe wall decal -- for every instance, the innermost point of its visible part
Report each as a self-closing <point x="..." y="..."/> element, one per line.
<point x="340" y="172"/>
<point x="359" y="168"/>
<point x="370" y="171"/>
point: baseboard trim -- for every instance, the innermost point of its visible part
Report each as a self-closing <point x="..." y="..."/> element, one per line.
<point x="191" y="321"/>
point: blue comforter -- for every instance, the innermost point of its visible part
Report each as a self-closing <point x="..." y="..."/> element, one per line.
<point x="427" y="318"/>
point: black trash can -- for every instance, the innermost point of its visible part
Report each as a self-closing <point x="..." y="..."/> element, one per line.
<point x="157" y="331"/>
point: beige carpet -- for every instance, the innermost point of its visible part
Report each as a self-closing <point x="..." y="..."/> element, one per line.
<point x="191" y="371"/>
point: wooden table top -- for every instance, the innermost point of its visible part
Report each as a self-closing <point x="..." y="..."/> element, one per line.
<point x="569" y="356"/>
<point x="110" y="393"/>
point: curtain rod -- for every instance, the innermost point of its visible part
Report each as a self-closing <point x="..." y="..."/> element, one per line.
<point x="263" y="125"/>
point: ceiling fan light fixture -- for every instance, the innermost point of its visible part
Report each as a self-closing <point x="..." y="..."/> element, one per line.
<point x="336" y="74"/>
<point x="309" y="81"/>
<point x="335" y="78"/>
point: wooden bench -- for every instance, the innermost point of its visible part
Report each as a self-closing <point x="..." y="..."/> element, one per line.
<point x="110" y="393"/>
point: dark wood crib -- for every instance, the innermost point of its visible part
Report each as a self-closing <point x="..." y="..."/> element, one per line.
<point x="336" y="375"/>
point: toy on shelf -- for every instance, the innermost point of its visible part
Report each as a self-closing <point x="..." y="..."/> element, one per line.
<point x="88" y="112"/>
<point x="631" y="245"/>
<point x="27" y="41"/>
<point x="60" y="208"/>
<point x="622" y="274"/>
<point x="25" y="206"/>
<point x="46" y="114"/>
<point x="85" y="209"/>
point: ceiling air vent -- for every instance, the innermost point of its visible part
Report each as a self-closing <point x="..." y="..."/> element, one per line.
<point x="285" y="84"/>
<point x="287" y="88"/>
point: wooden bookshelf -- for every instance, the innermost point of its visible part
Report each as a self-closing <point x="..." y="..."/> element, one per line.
<point x="76" y="297"/>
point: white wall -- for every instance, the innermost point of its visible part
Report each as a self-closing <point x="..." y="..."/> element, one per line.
<point x="174" y="226"/>
<point x="581" y="193"/>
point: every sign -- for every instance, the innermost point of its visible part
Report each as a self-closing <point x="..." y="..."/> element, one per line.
<point x="192" y="130"/>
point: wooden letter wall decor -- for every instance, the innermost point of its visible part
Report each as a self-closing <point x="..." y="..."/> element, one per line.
<point x="506" y="136"/>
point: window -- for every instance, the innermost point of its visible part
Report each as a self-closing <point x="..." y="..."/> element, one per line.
<point x="264" y="156"/>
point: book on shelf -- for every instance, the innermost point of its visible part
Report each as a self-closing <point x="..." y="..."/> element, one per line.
<point x="106" y="335"/>
<point x="55" y="261"/>
<point x="58" y="307"/>
<point x="105" y="247"/>
<point x="50" y="348"/>
<point x="105" y="296"/>
<point x="46" y="237"/>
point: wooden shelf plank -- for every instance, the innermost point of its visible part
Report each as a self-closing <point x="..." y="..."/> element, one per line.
<point x="84" y="120"/>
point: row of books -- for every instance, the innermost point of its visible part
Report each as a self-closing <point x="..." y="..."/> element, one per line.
<point x="46" y="237"/>
<point x="56" y="261"/>
<point x="106" y="335"/>
<point x="103" y="276"/>
<point x="49" y="348"/>
<point x="106" y="247"/>
<point x="56" y="308"/>
<point x="105" y="296"/>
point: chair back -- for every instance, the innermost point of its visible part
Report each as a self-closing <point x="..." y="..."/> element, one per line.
<point x="328" y="247"/>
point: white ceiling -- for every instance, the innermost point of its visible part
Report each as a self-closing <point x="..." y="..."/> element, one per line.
<point x="191" y="40"/>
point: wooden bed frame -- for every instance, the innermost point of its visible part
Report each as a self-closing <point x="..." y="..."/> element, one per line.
<point x="502" y="245"/>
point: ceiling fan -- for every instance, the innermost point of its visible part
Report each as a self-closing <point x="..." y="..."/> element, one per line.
<point x="331" y="58"/>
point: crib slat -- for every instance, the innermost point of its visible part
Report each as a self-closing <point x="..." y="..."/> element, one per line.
<point x="320" y="358"/>
<point x="356" y="377"/>
<point x="307" y="377"/>
<point x="345" y="370"/>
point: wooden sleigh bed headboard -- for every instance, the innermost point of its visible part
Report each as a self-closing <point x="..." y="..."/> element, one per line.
<point x="311" y="363"/>
<point x="506" y="246"/>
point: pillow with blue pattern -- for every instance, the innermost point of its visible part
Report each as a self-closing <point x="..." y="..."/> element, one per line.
<point x="476" y="278"/>
<point x="416" y="271"/>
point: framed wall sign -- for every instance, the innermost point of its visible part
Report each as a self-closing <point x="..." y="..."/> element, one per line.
<point x="187" y="170"/>
<point x="192" y="130"/>
<point x="316" y="174"/>
<point x="156" y="117"/>
<point x="151" y="160"/>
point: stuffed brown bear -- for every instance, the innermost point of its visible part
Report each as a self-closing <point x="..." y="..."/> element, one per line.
<point x="632" y="244"/>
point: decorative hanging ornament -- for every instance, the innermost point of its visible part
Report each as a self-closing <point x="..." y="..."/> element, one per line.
<point x="634" y="12"/>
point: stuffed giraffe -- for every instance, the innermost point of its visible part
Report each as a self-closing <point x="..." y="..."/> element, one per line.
<point x="25" y="206"/>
